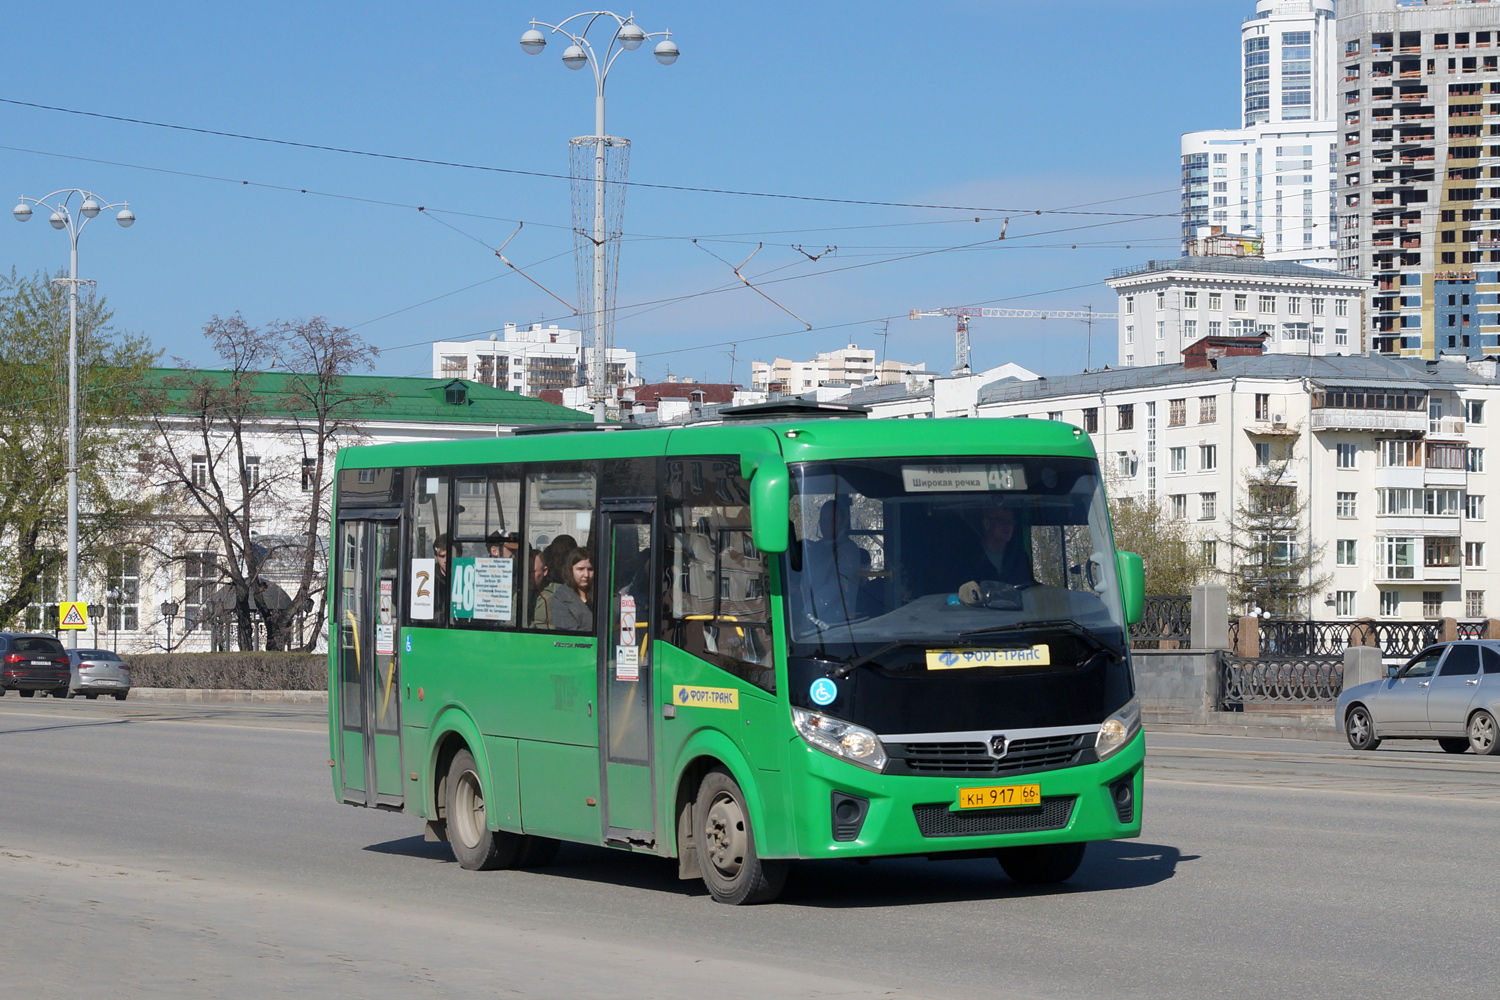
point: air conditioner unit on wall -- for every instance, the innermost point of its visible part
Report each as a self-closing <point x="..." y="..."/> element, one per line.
<point x="1279" y="419"/>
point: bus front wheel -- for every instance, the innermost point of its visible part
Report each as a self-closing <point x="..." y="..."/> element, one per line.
<point x="1041" y="864"/>
<point x="475" y="845"/>
<point x="725" y="844"/>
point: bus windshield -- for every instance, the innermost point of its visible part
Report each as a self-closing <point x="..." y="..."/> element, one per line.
<point x="960" y="551"/>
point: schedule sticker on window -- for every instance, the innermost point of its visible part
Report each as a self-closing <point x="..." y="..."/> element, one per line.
<point x="964" y="478"/>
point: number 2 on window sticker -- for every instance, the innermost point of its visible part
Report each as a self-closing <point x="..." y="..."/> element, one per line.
<point x="422" y="578"/>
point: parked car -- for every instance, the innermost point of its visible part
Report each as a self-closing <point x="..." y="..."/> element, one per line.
<point x="98" y="671"/>
<point x="32" y="663"/>
<point x="1449" y="692"/>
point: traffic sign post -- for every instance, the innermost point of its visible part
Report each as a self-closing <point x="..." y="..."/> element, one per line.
<point x="73" y="615"/>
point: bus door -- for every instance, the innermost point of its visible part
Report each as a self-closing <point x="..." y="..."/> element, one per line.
<point x="625" y="583"/>
<point x="368" y="553"/>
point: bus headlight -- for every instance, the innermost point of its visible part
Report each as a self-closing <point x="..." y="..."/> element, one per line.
<point x="845" y="740"/>
<point x="1118" y="730"/>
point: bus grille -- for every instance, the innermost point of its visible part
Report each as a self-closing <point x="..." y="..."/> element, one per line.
<point x="1041" y="753"/>
<point x="940" y="820"/>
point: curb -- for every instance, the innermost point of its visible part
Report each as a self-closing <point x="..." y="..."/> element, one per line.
<point x="229" y="696"/>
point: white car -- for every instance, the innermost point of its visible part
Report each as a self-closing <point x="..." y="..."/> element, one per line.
<point x="1449" y="692"/>
<point x="96" y="672"/>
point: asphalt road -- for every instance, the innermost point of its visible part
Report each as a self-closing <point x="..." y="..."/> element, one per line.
<point x="152" y="850"/>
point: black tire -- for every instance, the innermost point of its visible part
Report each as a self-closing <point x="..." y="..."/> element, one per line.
<point x="60" y="692"/>
<point x="1359" y="729"/>
<point x="732" y="870"/>
<point x="91" y="695"/>
<point x="538" y="852"/>
<point x="26" y="694"/>
<point x="1454" y="744"/>
<point x="120" y="695"/>
<point x="1483" y="735"/>
<point x="475" y="846"/>
<point x="1041" y="864"/>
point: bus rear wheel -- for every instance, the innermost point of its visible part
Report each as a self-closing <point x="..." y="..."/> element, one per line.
<point x="725" y="843"/>
<point x="1041" y="864"/>
<point x="475" y="845"/>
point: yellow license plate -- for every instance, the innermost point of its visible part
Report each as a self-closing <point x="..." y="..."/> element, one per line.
<point x="999" y="796"/>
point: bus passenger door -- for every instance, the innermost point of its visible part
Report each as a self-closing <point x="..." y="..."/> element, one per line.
<point x="626" y="587"/>
<point x="368" y="554"/>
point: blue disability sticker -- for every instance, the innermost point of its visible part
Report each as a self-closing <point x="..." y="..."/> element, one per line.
<point x="408" y="644"/>
<point x="823" y="691"/>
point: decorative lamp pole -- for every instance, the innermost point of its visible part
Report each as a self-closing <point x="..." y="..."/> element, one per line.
<point x="65" y="217"/>
<point x="168" y="612"/>
<point x="95" y="610"/>
<point x="627" y="36"/>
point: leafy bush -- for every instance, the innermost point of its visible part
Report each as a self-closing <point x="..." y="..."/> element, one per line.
<point x="233" y="671"/>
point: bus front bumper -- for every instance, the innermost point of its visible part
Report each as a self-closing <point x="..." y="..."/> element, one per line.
<point x="907" y="815"/>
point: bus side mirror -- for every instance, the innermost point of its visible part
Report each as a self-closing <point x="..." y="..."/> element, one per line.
<point x="1132" y="585"/>
<point x="770" y="499"/>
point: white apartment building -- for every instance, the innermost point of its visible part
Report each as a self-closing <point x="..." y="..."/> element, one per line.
<point x="1419" y="113"/>
<point x="1273" y="178"/>
<point x="1165" y="305"/>
<point x="1392" y="454"/>
<point x="851" y="365"/>
<point x="529" y="360"/>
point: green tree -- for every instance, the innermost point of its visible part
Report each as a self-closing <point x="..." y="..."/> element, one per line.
<point x="112" y="369"/>
<point x="1275" y="564"/>
<point x="1171" y="549"/>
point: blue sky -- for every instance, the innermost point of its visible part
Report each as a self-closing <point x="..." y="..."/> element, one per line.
<point x="995" y="104"/>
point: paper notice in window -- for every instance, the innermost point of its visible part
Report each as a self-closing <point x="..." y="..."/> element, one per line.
<point x="494" y="587"/>
<point x="422" y="586"/>
<point x="627" y="663"/>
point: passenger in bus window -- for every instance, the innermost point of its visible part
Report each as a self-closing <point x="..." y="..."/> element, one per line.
<point x="572" y="602"/>
<point x="1003" y="552"/>
<point x="502" y="546"/>
<point x="555" y="554"/>
<point x="442" y="550"/>
<point x="541" y="605"/>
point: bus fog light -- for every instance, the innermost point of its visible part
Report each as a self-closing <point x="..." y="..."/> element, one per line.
<point x="1118" y="730"/>
<point x="841" y="739"/>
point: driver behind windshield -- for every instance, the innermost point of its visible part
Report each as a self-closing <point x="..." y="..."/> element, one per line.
<point x="1002" y="556"/>
<point x="835" y="564"/>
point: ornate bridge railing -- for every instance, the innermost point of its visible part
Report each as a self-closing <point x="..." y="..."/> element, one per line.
<point x="1307" y="680"/>
<point x="1280" y="637"/>
<point x="1165" y="619"/>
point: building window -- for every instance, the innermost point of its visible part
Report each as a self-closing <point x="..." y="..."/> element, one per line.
<point x="1268" y="303"/>
<point x="1390" y="604"/>
<point x="123" y="591"/>
<point x="1341" y="338"/>
<point x="1190" y="300"/>
<point x="1399" y="454"/>
<point x="1294" y="304"/>
<point x="1208" y="409"/>
<point x="1346" y="506"/>
<point x="1474" y="506"/>
<point x="1262" y="406"/>
<point x="1215" y="302"/>
<point x="1208" y="457"/>
<point x="1176" y="459"/>
<point x="1262" y="454"/>
<point x="1215" y="328"/>
<point x="1179" y="506"/>
<point x="309" y="474"/>
<point x="252" y="471"/>
<point x="1054" y="414"/>
<point x="1398" y="557"/>
<point x="1473" y="604"/>
<point x="1176" y="412"/>
<point x="1345" y="552"/>
<point x="1126" y="414"/>
<point x="1124" y="464"/>
<point x="1130" y="305"/>
<point x="1189" y="330"/>
<point x="1343" y="603"/>
<point x="199" y="470"/>
<point x="1210" y="551"/>
<point x="1161" y="330"/>
<point x="1317" y="307"/>
<point x="1208" y="506"/>
<point x="1474" y="555"/>
<point x="1474" y="460"/>
<point x="1348" y="456"/>
<point x="1432" y="604"/>
<point x="1474" y="411"/>
<point x="1161" y="300"/>
<point x="1341" y="307"/>
<point x="1241" y="303"/>
<point x="1091" y="420"/>
<point x="1161" y="357"/>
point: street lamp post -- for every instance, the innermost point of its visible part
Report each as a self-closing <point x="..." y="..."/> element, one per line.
<point x="628" y="36"/>
<point x="168" y="612"/>
<point x="95" y="610"/>
<point x="64" y="217"/>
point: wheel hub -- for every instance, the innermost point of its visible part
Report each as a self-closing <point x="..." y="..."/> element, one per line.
<point x="724" y="835"/>
<point x="468" y="807"/>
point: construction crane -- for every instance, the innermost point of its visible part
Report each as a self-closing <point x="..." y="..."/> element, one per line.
<point x="963" y="314"/>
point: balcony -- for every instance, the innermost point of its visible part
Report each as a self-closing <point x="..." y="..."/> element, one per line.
<point x="1440" y="574"/>
<point x="1337" y="419"/>
<point x="1446" y="427"/>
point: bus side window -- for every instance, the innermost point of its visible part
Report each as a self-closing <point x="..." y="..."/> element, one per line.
<point x="487" y="528"/>
<point x="429" y="551"/>
<point x="718" y="603"/>
<point x="559" y="536"/>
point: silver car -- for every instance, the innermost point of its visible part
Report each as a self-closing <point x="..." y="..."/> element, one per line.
<point x="1449" y="692"/>
<point x="98" y="671"/>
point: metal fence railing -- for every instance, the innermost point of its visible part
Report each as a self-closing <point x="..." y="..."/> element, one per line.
<point x="1300" y="681"/>
<point x="1165" y="619"/>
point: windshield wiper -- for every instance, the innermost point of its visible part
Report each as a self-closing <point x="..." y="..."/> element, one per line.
<point x="845" y="669"/>
<point x="1062" y="624"/>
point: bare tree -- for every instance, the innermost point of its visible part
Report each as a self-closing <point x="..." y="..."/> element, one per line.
<point x="33" y="436"/>
<point x="245" y="456"/>
<point x="1275" y="563"/>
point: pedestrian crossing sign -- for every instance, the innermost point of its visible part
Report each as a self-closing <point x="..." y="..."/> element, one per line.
<point x="72" y="614"/>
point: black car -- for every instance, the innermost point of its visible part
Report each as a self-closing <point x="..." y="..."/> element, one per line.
<point x="32" y="663"/>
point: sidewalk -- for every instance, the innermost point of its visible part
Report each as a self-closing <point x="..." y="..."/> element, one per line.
<point x="1307" y="725"/>
<point x="212" y="695"/>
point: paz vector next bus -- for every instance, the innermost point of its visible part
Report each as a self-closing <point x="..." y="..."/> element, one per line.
<point x="781" y="636"/>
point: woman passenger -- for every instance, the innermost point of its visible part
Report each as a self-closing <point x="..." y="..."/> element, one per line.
<point x="572" y="601"/>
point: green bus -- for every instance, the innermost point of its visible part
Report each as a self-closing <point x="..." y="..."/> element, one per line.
<point x="792" y="634"/>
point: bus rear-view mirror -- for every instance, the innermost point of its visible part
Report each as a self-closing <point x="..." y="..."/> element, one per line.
<point x="770" y="500"/>
<point x="1132" y="585"/>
